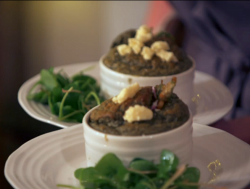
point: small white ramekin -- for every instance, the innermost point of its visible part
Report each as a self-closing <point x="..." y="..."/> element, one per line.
<point x="113" y="82"/>
<point x="178" y="140"/>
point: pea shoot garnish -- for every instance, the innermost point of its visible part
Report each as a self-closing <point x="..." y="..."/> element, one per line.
<point x="70" y="98"/>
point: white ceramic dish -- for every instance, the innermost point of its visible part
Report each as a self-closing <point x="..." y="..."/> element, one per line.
<point x="212" y="100"/>
<point x="97" y="144"/>
<point x="52" y="158"/>
<point x="113" y="82"/>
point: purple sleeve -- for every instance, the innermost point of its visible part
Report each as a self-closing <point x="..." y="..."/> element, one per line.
<point x="218" y="39"/>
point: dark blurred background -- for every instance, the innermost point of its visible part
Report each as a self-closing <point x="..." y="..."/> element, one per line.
<point x="36" y="35"/>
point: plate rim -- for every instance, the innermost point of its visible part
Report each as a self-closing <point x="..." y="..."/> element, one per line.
<point x="61" y="133"/>
<point x="225" y="89"/>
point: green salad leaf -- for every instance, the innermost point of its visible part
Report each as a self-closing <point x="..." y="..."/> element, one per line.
<point x="68" y="98"/>
<point x="143" y="165"/>
<point x="111" y="166"/>
<point x="48" y="79"/>
<point x="168" y="163"/>
<point x="110" y="173"/>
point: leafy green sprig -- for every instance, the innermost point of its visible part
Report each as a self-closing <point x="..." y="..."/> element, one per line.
<point x="110" y="173"/>
<point x="68" y="98"/>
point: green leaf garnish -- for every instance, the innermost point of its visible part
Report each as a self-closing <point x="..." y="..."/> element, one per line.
<point x="110" y="173"/>
<point x="68" y="98"/>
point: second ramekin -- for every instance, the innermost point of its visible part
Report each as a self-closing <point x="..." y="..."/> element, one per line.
<point x="113" y="82"/>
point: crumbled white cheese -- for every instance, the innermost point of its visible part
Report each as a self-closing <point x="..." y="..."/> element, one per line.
<point x="138" y="113"/>
<point x="123" y="49"/>
<point x="126" y="93"/>
<point x="160" y="45"/>
<point x="135" y="44"/>
<point x="144" y="33"/>
<point x="167" y="56"/>
<point x="144" y="29"/>
<point x="147" y="53"/>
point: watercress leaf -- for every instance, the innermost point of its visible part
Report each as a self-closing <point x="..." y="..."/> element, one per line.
<point x="63" y="81"/>
<point x="36" y="96"/>
<point x="78" y="117"/>
<point x="134" y="178"/>
<point x="41" y="97"/>
<point x="111" y="166"/>
<point x="168" y="162"/>
<point x="56" y="107"/>
<point x="56" y="86"/>
<point x="143" y="165"/>
<point x="143" y="185"/>
<point x="73" y="96"/>
<point x="90" y="177"/>
<point x="90" y="86"/>
<point x="44" y="98"/>
<point x="89" y="185"/>
<point x="67" y="110"/>
<point x="79" y="84"/>
<point x="48" y="79"/>
<point x="72" y="100"/>
<point x="192" y="174"/>
<point x="87" y="177"/>
<point x="87" y="174"/>
<point x="81" y="103"/>
<point x="93" y="97"/>
<point x="106" y="186"/>
<point x="51" y="70"/>
<point x="30" y="96"/>
<point x="159" y="181"/>
<point x="135" y="159"/>
<point x="84" y="78"/>
<point x="51" y="104"/>
<point x="74" y="85"/>
<point x="57" y="94"/>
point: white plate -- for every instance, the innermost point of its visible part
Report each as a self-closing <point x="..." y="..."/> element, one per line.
<point x="211" y="102"/>
<point x="52" y="158"/>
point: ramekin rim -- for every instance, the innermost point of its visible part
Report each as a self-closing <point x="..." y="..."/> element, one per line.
<point x="118" y="74"/>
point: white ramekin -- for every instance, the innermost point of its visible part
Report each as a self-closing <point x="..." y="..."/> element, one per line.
<point x="178" y="140"/>
<point x="113" y="82"/>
